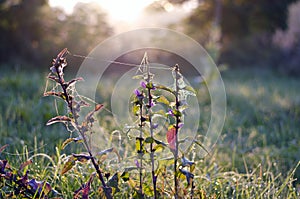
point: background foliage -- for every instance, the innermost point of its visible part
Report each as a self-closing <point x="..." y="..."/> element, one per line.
<point x="31" y="31"/>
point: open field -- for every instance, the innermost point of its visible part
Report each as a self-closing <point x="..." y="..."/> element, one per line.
<point x="255" y="157"/>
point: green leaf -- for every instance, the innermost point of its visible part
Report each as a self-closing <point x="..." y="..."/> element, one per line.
<point x="139" y="145"/>
<point x="68" y="165"/>
<point x="148" y="190"/>
<point x="162" y="99"/>
<point x="159" y="113"/>
<point x="138" y="77"/>
<point x="162" y="87"/>
<point x="166" y="161"/>
<point x="135" y="109"/>
<point x="177" y="113"/>
<point x="66" y="142"/>
<point x="150" y="85"/>
<point x="125" y="176"/>
<point x="158" y="148"/>
<point x="149" y="140"/>
<point x="190" y="89"/>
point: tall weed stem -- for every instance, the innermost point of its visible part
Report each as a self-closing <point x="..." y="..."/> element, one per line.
<point x="58" y="64"/>
<point x="177" y="117"/>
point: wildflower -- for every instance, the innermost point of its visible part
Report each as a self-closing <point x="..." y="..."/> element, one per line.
<point x="154" y="125"/>
<point x="138" y="94"/>
<point x="170" y="112"/>
<point x="143" y="84"/>
<point x="137" y="163"/>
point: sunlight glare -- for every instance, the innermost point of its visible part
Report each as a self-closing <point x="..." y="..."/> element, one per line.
<point x="118" y="10"/>
<point x="127" y="11"/>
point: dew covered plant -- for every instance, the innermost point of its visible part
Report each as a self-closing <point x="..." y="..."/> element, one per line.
<point x="65" y="90"/>
<point x="150" y="93"/>
<point x="151" y="159"/>
<point x="174" y="100"/>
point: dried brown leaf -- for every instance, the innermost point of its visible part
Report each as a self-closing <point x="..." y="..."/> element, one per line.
<point x="24" y="164"/>
<point x="58" y="119"/>
<point x="3" y="148"/>
<point x="98" y="107"/>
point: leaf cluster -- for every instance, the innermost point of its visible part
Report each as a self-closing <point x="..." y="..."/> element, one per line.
<point x="17" y="183"/>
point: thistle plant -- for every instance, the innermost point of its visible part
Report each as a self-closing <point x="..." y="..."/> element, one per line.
<point x="65" y="90"/>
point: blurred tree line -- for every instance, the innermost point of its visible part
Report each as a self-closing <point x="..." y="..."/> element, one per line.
<point x="242" y="32"/>
<point x="32" y="32"/>
<point x="239" y="33"/>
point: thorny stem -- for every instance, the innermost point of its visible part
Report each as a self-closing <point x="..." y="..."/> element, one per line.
<point x="85" y="142"/>
<point x="177" y="129"/>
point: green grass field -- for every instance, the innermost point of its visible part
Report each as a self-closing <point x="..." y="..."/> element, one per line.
<point x="256" y="156"/>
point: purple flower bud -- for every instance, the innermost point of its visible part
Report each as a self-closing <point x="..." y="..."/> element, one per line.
<point x="143" y="84"/>
<point x="154" y="126"/>
<point x="137" y="163"/>
<point x="152" y="104"/>
<point x="180" y="125"/>
<point x="170" y="112"/>
<point x="137" y="92"/>
<point x="53" y="69"/>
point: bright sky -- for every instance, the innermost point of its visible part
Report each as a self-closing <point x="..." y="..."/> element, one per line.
<point x="125" y="15"/>
<point x="120" y="10"/>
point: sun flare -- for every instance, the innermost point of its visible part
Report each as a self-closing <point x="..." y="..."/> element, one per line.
<point x="127" y="11"/>
<point x="118" y="10"/>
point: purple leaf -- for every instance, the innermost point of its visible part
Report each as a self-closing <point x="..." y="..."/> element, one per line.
<point x="171" y="137"/>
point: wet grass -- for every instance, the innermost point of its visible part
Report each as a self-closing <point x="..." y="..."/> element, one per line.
<point x="256" y="156"/>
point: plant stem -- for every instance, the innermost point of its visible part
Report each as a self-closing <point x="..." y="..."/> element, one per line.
<point x="85" y="142"/>
<point x="192" y="189"/>
<point x="141" y="152"/>
<point x="176" y="128"/>
<point x="152" y="137"/>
